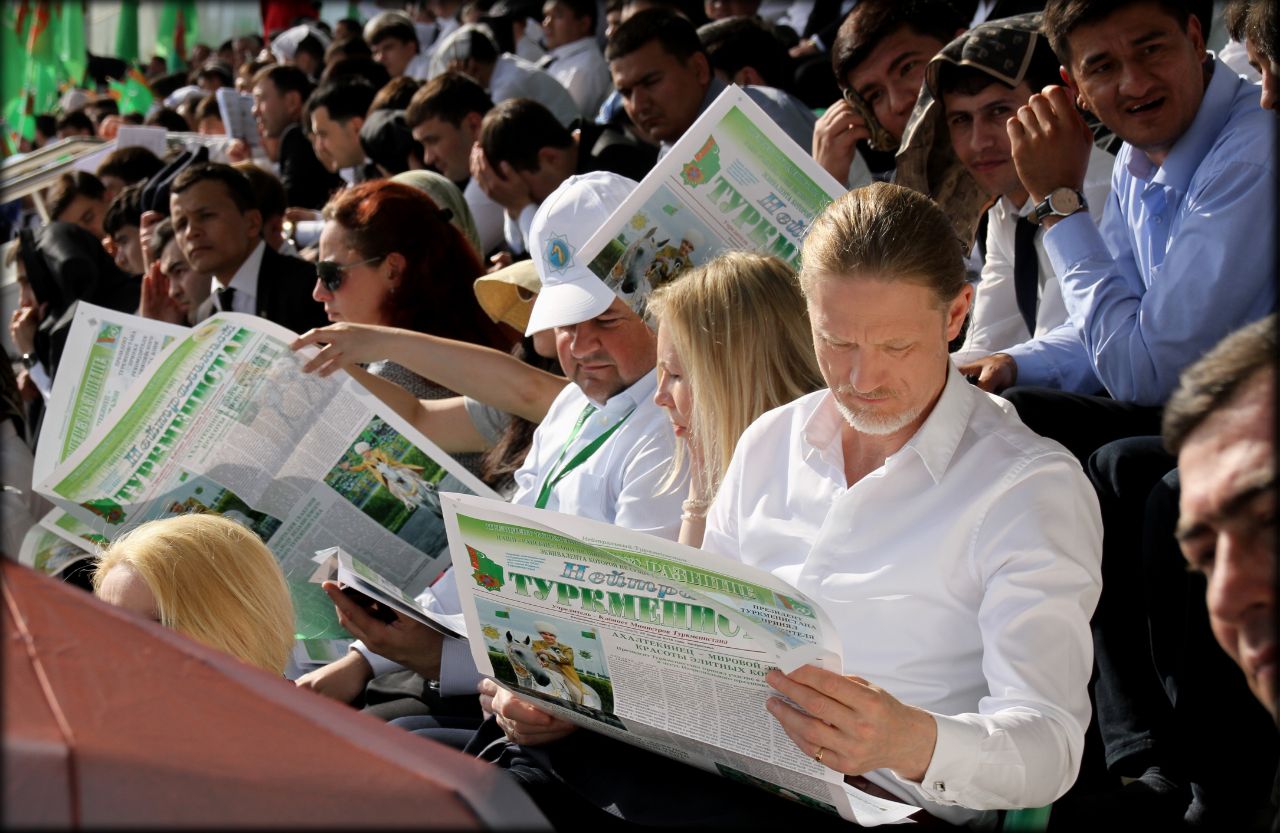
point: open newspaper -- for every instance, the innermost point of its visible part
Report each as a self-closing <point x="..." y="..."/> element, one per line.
<point x="651" y="642"/>
<point x="223" y="420"/>
<point x="734" y="181"/>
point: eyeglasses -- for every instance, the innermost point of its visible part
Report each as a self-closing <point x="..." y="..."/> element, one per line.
<point x="330" y="272"/>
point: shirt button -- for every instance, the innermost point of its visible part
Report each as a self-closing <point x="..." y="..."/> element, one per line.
<point x="940" y="786"/>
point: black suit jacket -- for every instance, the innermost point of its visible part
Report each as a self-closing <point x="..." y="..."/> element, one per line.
<point x="284" y="293"/>
<point x="307" y="183"/>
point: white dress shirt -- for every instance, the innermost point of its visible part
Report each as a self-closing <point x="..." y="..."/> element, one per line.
<point x="996" y="324"/>
<point x="961" y="576"/>
<point x="581" y="69"/>
<point x="489" y="216"/>
<point x="617" y="484"/>
<point x="244" y="282"/>
<point x="514" y="77"/>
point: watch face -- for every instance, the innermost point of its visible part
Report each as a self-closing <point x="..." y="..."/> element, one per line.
<point x="1064" y="201"/>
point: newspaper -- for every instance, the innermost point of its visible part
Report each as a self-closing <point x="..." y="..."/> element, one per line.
<point x="651" y="642"/>
<point x="236" y="110"/>
<point x="56" y="543"/>
<point x="223" y="420"/>
<point x="355" y="573"/>
<point x="734" y="181"/>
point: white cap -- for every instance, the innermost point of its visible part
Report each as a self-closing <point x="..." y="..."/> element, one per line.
<point x="546" y="627"/>
<point x="285" y="46"/>
<point x="571" y="293"/>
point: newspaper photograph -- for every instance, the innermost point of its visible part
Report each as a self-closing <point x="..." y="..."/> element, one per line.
<point x="223" y="420"/>
<point x="47" y="550"/>
<point x="735" y="180"/>
<point x="651" y="642"/>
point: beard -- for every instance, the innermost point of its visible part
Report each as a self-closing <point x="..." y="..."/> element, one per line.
<point x="870" y="421"/>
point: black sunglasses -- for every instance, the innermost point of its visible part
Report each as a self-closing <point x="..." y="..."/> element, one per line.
<point x="330" y="272"/>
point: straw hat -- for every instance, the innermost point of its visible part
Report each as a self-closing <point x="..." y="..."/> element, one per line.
<point x="507" y="295"/>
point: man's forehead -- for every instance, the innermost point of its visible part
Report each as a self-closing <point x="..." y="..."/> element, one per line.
<point x="1128" y="27"/>
<point x="648" y="58"/>
<point x="958" y="102"/>
<point x="890" y="52"/>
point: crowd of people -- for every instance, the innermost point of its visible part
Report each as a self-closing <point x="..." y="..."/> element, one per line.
<point x="1012" y="423"/>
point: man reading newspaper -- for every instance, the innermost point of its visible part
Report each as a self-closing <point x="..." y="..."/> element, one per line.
<point x="956" y="552"/>
<point x="601" y="452"/>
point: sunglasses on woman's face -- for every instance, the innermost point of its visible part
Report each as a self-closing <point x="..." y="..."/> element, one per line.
<point x="330" y="272"/>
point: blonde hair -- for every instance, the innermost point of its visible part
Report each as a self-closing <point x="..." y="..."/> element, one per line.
<point x="741" y="329"/>
<point x="214" y="581"/>
<point x="889" y="233"/>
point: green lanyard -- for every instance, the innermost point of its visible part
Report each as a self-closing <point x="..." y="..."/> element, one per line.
<point x="557" y="472"/>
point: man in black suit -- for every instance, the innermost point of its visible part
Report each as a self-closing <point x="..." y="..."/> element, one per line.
<point x="219" y="230"/>
<point x="279" y="95"/>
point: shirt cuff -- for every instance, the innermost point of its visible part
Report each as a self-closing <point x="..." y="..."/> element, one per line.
<point x="955" y="760"/>
<point x="1072" y="240"/>
<point x="458" y="674"/>
<point x="380" y="664"/>
<point x="1034" y="366"/>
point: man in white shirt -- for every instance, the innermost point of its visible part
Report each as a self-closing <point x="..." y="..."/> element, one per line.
<point x="394" y="41"/>
<point x="573" y="57"/>
<point x="956" y="552"/>
<point x="609" y="353"/>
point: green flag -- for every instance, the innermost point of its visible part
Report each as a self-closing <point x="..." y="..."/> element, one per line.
<point x="132" y="94"/>
<point x="176" y="29"/>
<point x="40" y="69"/>
<point x="69" y="39"/>
<point x="127" y="32"/>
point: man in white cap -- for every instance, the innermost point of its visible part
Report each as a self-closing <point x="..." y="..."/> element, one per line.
<point x="601" y="452"/>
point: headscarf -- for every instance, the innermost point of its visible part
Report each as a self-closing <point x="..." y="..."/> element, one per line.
<point x="1005" y="49"/>
<point x="446" y="195"/>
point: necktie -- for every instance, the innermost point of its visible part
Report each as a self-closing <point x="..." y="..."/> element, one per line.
<point x="546" y="61"/>
<point x="1026" y="271"/>
<point x="225" y="296"/>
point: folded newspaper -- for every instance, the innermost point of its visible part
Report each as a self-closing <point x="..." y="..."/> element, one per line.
<point x="150" y="421"/>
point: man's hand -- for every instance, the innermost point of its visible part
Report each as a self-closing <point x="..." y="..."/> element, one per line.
<point x="521" y="722"/>
<point x="852" y="725"/>
<point x="804" y="49"/>
<point x="237" y="151"/>
<point x="835" y="139"/>
<point x="22" y="327"/>
<point x="157" y="303"/>
<point x="995" y="372"/>
<point x="342" y="680"/>
<point x="109" y="127"/>
<point x="1050" y="143"/>
<point x="346" y="344"/>
<point x="500" y="261"/>
<point x="501" y="184"/>
<point x="406" y="641"/>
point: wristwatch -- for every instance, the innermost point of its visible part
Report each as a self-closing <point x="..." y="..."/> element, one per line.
<point x="1061" y="202"/>
<point x="28" y="361"/>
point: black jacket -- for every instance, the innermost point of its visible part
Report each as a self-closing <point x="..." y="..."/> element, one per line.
<point x="284" y="293"/>
<point x="307" y="183"/>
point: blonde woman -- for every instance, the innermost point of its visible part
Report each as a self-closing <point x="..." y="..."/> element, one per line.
<point x="733" y="342"/>
<point x="206" y="577"/>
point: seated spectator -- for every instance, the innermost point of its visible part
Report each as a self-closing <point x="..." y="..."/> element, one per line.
<point x="394" y="42"/>
<point x="173" y="290"/>
<point x="471" y="49"/>
<point x="446" y="195"/>
<point x="879" y="57"/>
<point x="126" y="166"/>
<point x="169" y="119"/>
<point x="208" y="117"/>
<point x="268" y="193"/>
<point x="525" y="154"/>
<point x="573" y="57"/>
<point x="348" y="28"/>
<point x="46" y="129"/>
<point x="445" y="117"/>
<point x="215" y="75"/>
<point x="206" y="577"/>
<point x="81" y="198"/>
<point x="337" y="113"/>
<point x="365" y="69"/>
<point x="395" y="94"/>
<point x="219" y="226"/>
<point x="279" y="93"/>
<point x="99" y="108"/>
<point x="354" y="47"/>
<point x="662" y="74"/>
<point x="75" y="123"/>
<point x="1254" y="23"/>
<point x="747" y="52"/>
<point x="972" y="88"/>
<point x="120" y="225"/>
<point x="716" y="376"/>
<point x="997" y="548"/>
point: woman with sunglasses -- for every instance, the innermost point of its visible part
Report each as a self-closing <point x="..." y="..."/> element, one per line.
<point x="389" y="256"/>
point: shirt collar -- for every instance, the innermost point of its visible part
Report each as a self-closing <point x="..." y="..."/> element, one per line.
<point x="1192" y="146"/>
<point x="577" y="47"/>
<point x="245" y="280"/>
<point x="934" y="443"/>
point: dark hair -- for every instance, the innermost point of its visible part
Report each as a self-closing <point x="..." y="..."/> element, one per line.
<point x="72" y="185"/>
<point x="47" y="125"/>
<point x="435" y="296"/>
<point x="286" y="79"/>
<point x="134" y="119"/>
<point x="675" y="33"/>
<point x="395" y="94"/>
<point x="130" y="164"/>
<point x="516" y="129"/>
<point x="169" y="119"/>
<point x="125" y="209"/>
<point x="364" y="68"/>
<point x="385" y="25"/>
<point x="1253" y="21"/>
<point x="479" y="46"/>
<point x="1062" y="17"/>
<point x="581" y="8"/>
<point x="207" y="109"/>
<point x="312" y="46"/>
<point x="343" y="100"/>
<point x="354" y="47"/>
<point x="219" y="70"/>
<point x="268" y="190"/>
<point x="1214" y="380"/>
<point x="164" y="85"/>
<point x="871" y="21"/>
<point x="75" y="120"/>
<point x="450" y="97"/>
<point x="102" y="107"/>
<point x="237" y="184"/>
<point x="735" y="43"/>
<point x="970" y="80"/>
<point x="161" y="236"/>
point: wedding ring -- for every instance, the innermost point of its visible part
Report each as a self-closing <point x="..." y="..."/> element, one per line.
<point x="818" y="757"/>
